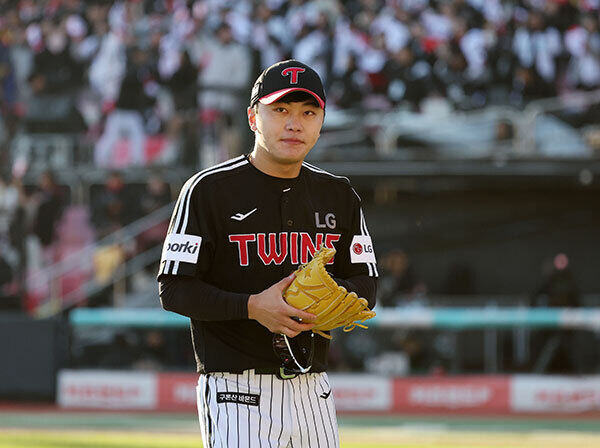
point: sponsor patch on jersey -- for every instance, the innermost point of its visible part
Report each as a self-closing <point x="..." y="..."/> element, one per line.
<point x="361" y="250"/>
<point x="239" y="398"/>
<point x="181" y="247"/>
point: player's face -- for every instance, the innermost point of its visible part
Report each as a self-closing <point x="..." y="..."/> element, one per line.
<point x="286" y="132"/>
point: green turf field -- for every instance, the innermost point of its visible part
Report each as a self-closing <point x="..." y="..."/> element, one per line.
<point x="130" y="430"/>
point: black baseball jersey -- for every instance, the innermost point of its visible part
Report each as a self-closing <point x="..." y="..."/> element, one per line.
<point x="240" y="231"/>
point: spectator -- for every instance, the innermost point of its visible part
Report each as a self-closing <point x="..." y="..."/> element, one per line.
<point x="474" y="44"/>
<point x="183" y="86"/>
<point x="502" y="145"/>
<point x="9" y="202"/>
<point x="114" y="207"/>
<point x="408" y="80"/>
<point x="437" y="21"/>
<point x="349" y="88"/>
<point x="224" y="73"/>
<point x="9" y="299"/>
<point x="449" y="75"/>
<point x="121" y="353"/>
<point x="372" y="62"/>
<point x="154" y="353"/>
<point x="399" y="280"/>
<point x="583" y="45"/>
<point x="49" y="204"/>
<point x="561" y="351"/>
<point x="270" y="36"/>
<point x="109" y="65"/>
<point x="537" y="46"/>
<point x="313" y="47"/>
<point x="55" y="82"/>
<point x="127" y="115"/>
<point x="6" y="276"/>
<point x="8" y="85"/>
<point x="527" y="86"/>
<point x="393" y="22"/>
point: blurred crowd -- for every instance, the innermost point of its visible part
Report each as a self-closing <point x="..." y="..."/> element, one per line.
<point x="42" y="227"/>
<point x="147" y="67"/>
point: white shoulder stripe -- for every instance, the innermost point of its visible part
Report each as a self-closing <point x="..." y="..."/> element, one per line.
<point x="184" y="202"/>
<point x="364" y="231"/>
<point x="175" y="218"/>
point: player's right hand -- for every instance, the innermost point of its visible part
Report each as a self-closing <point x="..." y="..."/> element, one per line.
<point x="271" y="310"/>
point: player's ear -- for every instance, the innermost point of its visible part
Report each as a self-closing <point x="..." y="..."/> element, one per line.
<point x="252" y="118"/>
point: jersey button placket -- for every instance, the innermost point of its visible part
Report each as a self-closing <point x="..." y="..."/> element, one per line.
<point x="285" y="214"/>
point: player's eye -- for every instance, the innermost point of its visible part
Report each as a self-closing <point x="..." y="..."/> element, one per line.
<point x="280" y="109"/>
<point x="309" y="112"/>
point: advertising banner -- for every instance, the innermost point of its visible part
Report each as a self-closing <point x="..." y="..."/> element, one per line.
<point x="478" y="394"/>
<point x="98" y="389"/>
<point x="354" y="392"/>
<point x="555" y="395"/>
<point x="177" y="391"/>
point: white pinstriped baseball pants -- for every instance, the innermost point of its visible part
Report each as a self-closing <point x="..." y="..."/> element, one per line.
<point x="247" y="410"/>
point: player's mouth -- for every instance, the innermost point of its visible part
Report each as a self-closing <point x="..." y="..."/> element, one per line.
<point x="292" y="141"/>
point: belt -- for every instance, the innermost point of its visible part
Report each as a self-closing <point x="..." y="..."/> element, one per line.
<point x="280" y="372"/>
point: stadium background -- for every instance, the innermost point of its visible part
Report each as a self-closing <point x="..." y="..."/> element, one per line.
<point x="469" y="128"/>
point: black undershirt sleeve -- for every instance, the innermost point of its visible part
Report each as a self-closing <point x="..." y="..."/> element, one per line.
<point x="196" y="299"/>
<point x="363" y="285"/>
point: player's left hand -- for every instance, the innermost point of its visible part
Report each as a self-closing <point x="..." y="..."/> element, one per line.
<point x="271" y="311"/>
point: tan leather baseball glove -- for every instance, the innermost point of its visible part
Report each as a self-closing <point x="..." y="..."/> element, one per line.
<point x="313" y="290"/>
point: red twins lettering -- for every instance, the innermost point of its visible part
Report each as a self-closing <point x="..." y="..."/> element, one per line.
<point x="306" y="246"/>
<point x="272" y="255"/>
<point x="275" y="247"/>
<point x="242" y="242"/>
<point x="331" y="238"/>
<point x="294" y="247"/>
<point x="293" y="72"/>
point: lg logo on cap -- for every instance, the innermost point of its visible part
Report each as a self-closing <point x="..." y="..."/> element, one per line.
<point x="293" y="72"/>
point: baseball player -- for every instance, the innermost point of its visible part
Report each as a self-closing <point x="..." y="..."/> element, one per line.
<point x="238" y="230"/>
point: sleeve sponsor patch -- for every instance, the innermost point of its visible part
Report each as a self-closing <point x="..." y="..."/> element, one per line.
<point x="361" y="250"/>
<point x="181" y="247"/>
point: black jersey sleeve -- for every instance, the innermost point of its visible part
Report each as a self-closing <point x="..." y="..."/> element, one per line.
<point x="355" y="254"/>
<point x="198" y="300"/>
<point x="363" y="285"/>
<point x="188" y="247"/>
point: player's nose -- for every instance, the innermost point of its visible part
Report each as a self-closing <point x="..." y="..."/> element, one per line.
<point x="293" y="123"/>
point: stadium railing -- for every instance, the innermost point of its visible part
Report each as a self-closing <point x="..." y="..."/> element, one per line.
<point x="57" y="301"/>
<point x="400" y="317"/>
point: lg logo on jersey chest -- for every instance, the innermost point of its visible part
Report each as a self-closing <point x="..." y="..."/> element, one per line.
<point x="329" y="221"/>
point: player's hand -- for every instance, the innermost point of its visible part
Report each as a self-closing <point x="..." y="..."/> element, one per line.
<point x="271" y="310"/>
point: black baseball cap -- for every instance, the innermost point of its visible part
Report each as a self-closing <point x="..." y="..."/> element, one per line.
<point x="285" y="77"/>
